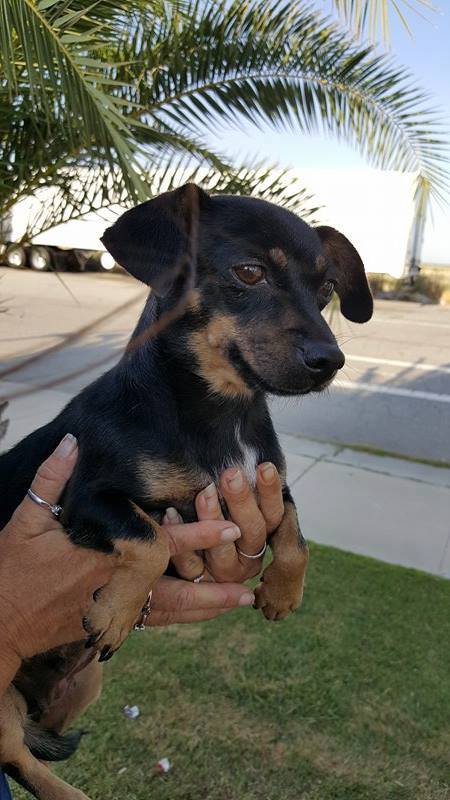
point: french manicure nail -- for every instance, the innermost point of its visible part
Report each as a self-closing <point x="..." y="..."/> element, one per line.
<point x="210" y="495"/>
<point x="173" y="515"/>
<point x="247" y="600"/>
<point x="66" y="446"/>
<point x="230" y="534"/>
<point x="236" y="481"/>
<point x="267" y="472"/>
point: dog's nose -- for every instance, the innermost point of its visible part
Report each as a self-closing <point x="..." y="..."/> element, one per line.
<point x="323" y="357"/>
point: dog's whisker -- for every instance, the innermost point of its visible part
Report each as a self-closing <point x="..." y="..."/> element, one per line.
<point x="349" y="371"/>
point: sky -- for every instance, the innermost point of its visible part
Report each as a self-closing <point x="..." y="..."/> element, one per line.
<point x="426" y="52"/>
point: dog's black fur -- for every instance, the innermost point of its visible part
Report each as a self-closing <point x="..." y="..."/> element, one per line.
<point x="153" y="404"/>
<point x="179" y="408"/>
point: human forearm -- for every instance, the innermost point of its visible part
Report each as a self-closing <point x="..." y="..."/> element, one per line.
<point x="34" y="550"/>
<point x="9" y="665"/>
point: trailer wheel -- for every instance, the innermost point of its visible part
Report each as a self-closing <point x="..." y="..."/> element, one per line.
<point x="105" y="262"/>
<point x="101" y="262"/>
<point x="15" y="256"/>
<point x="39" y="258"/>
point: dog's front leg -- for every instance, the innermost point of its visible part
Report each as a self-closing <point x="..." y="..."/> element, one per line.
<point x="139" y="545"/>
<point x="281" y="590"/>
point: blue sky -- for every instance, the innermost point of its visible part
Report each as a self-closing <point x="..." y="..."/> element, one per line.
<point x="427" y="54"/>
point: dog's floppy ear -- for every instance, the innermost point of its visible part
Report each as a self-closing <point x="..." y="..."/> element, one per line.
<point x="352" y="286"/>
<point x="154" y="240"/>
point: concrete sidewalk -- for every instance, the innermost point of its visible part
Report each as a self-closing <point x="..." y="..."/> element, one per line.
<point x="388" y="508"/>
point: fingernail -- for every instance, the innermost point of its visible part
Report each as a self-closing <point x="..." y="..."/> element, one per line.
<point x="230" y="534"/>
<point x="236" y="482"/>
<point x="267" y="472"/>
<point x="173" y="515"/>
<point x="247" y="600"/>
<point x="210" y="495"/>
<point x="66" y="446"/>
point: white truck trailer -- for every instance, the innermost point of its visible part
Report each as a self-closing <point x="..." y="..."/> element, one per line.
<point x="72" y="245"/>
<point x="375" y="209"/>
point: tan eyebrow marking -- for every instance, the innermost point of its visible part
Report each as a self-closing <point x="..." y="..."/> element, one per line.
<point x="278" y="256"/>
<point x="321" y="264"/>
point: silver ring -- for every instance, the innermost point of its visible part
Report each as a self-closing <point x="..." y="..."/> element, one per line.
<point x="257" y="555"/>
<point x="144" y="615"/>
<point x="199" y="578"/>
<point x="55" y="509"/>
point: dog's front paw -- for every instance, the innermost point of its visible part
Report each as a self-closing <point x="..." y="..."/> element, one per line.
<point x="110" y="619"/>
<point x="277" y="595"/>
<point x="118" y="606"/>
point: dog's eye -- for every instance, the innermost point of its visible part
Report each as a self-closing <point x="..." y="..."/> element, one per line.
<point x="249" y="274"/>
<point x="326" y="290"/>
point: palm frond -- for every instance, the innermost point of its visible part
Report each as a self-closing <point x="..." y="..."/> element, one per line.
<point x="133" y="88"/>
<point x="285" y="65"/>
<point x="373" y="17"/>
<point x="47" y="65"/>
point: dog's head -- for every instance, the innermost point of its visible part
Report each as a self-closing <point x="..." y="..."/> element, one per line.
<point x="263" y="278"/>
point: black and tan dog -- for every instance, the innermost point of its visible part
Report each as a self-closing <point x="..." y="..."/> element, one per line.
<point x="175" y="411"/>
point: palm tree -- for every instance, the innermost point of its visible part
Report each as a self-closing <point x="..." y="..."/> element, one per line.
<point x="103" y="100"/>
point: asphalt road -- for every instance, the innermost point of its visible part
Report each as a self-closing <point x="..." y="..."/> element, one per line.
<point x="393" y="393"/>
<point x="394" y="390"/>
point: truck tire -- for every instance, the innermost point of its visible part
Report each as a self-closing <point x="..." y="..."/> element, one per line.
<point x="39" y="258"/>
<point x="15" y="256"/>
<point x="106" y="263"/>
<point x="101" y="262"/>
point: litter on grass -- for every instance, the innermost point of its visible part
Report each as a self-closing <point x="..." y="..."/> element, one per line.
<point x="163" y="766"/>
<point x="132" y="712"/>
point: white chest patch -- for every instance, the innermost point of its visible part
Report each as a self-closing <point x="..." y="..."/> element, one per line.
<point x="249" y="458"/>
<point x="241" y="455"/>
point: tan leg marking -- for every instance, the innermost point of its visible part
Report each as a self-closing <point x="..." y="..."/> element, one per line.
<point x="281" y="590"/>
<point x="84" y="688"/>
<point x="118" y="605"/>
<point x="40" y="781"/>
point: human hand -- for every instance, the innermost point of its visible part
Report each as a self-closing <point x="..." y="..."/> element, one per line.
<point x="257" y="519"/>
<point x="176" y="600"/>
<point x="42" y="602"/>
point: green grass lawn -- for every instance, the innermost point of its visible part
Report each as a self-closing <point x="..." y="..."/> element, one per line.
<point x="348" y="699"/>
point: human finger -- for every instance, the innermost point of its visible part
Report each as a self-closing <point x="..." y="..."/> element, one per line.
<point x="222" y="561"/>
<point x="188" y="563"/>
<point x="199" y="535"/>
<point x="163" y="618"/>
<point x="31" y="519"/>
<point x="244" y="511"/>
<point x="270" y="494"/>
<point x="173" y="594"/>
